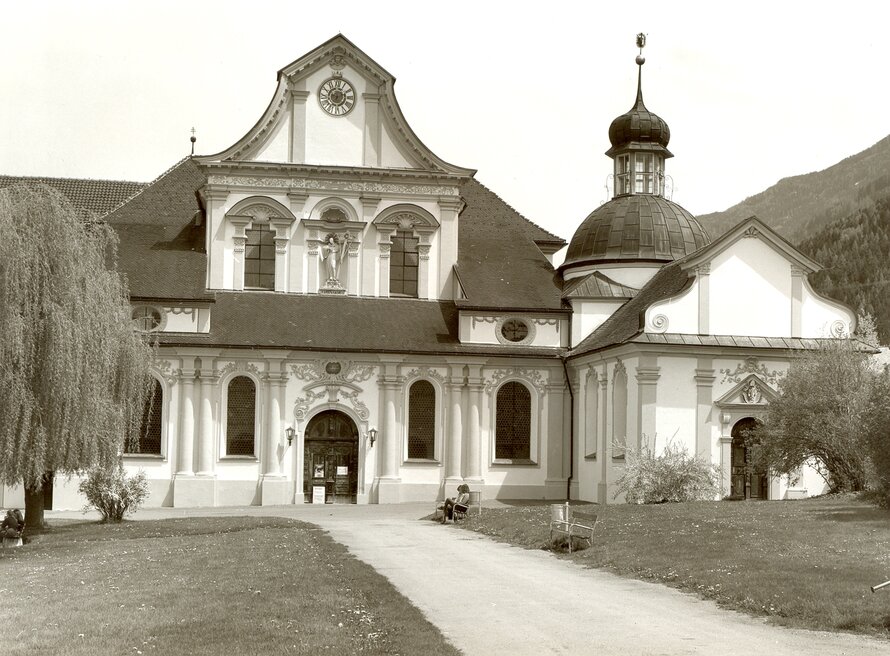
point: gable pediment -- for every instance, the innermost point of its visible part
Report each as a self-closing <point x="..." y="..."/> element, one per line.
<point x="751" y="391"/>
<point x="335" y="106"/>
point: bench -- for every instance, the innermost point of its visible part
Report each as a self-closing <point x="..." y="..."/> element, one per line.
<point x="461" y="511"/>
<point x="563" y="523"/>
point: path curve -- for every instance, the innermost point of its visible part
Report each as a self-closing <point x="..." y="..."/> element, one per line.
<point x="489" y="598"/>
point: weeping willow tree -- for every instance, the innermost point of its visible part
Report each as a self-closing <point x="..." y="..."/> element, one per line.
<point x="73" y="372"/>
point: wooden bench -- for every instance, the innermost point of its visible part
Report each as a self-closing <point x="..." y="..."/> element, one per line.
<point x="461" y="511"/>
<point x="563" y="523"/>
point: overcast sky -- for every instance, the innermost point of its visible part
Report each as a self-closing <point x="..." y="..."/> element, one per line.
<point x="524" y="93"/>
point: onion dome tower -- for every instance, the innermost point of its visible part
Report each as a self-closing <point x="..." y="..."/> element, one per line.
<point x="630" y="237"/>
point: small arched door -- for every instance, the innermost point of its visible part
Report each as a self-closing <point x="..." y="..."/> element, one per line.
<point x="746" y="482"/>
<point x="331" y="457"/>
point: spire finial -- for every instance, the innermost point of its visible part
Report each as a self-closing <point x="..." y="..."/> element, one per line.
<point x="641" y="43"/>
<point x="193" y="139"/>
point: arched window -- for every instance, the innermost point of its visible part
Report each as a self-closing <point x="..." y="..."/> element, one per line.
<point x="149" y="439"/>
<point x="403" y="264"/>
<point x="513" y="422"/>
<point x="241" y="417"/>
<point x="619" y="411"/>
<point x="422" y="421"/>
<point x="259" y="258"/>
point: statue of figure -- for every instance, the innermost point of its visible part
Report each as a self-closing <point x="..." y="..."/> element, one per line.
<point x="751" y="393"/>
<point x="332" y="254"/>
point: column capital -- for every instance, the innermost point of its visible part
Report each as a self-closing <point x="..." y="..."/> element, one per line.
<point x="705" y="377"/>
<point x="648" y="375"/>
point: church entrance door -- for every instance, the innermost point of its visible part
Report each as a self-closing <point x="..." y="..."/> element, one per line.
<point x="331" y="457"/>
<point x="746" y="482"/>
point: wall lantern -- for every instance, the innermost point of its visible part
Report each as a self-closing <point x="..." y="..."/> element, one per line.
<point x="372" y="435"/>
<point x="289" y="432"/>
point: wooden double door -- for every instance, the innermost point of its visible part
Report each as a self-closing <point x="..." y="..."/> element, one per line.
<point x="331" y="458"/>
<point x="747" y="482"/>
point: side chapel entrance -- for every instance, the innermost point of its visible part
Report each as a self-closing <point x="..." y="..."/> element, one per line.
<point x="331" y="457"/>
<point x="746" y="483"/>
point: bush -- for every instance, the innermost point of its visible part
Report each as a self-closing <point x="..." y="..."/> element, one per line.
<point x="113" y="493"/>
<point x="878" y="435"/>
<point x="672" y="476"/>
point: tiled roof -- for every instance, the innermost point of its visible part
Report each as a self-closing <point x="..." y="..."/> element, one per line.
<point x="627" y="321"/>
<point x="338" y="323"/>
<point x="742" y="341"/>
<point x="98" y="196"/>
<point x="161" y="248"/>
<point x="499" y="264"/>
<point x="597" y="285"/>
<point x="637" y="227"/>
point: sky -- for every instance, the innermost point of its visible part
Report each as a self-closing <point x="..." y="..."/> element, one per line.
<point x="522" y="92"/>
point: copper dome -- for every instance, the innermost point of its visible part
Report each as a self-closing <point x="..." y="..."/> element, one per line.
<point x="639" y="126"/>
<point x="635" y="227"/>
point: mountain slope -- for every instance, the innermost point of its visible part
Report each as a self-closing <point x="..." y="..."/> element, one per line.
<point x="855" y="252"/>
<point x="799" y="206"/>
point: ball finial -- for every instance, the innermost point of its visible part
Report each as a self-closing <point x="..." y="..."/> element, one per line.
<point x="640" y="60"/>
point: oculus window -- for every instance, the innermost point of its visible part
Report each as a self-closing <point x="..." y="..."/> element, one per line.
<point x="147" y="318"/>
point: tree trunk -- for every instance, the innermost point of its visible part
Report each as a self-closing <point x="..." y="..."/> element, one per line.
<point x="34" y="505"/>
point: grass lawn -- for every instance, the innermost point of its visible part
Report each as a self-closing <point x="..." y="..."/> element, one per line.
<point x="803" y="563"/>
<point x="201" y="586"/>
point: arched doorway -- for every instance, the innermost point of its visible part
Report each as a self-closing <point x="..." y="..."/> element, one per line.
<point x="331" y="457"/>
<point x="746" y="483"/>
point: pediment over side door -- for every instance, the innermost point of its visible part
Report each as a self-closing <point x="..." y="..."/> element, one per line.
<point x="751" y="392"/>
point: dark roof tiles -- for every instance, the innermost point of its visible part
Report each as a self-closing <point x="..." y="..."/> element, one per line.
<point x="93" y="196"/>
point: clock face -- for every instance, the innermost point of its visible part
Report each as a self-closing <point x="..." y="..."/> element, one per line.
<point x="336" y="96"/>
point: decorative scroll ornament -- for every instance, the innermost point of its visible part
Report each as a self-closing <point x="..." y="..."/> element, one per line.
<point x="620" y="371"/>
<point x="425" y="372"/>
<point x="303" y="403"/>
<point x="751" y="232"/>
<point x="166" y="371"/>
<point x="333" y="371"/>
<point x="532" y="376"/>
<point x="838" y="329"/>
<point x="751" y="392"/>
<point x="240" y="365"/>
<point x="360" y="408"/>
<point x="405" y="220"/>
<point x="751" y="366"/>
<point x="659" y="323"/>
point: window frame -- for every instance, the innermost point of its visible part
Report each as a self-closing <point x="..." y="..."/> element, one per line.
<point x="165" y="404"/>
<point x="436" y="422"/>
<point x="403" y="236"/>
<point x="224" y="425"/>
<point x="534" y="429"/>
<point x="264" y="228"/>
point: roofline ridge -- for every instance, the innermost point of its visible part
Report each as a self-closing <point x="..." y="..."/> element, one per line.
<point x="148" y="185"/>
<point x="47" y="177"/>
<point x="518" y="213"/>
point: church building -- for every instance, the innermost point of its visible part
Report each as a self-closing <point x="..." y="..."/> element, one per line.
<point x="342" y="316"/>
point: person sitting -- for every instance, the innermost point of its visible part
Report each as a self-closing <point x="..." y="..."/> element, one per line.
<point x="463" y="498"/>
<point x="13" y="524"/>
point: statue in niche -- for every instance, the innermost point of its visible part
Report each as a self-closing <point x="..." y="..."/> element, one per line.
<point x="751" y="392"/>
<point x="332" y="252"/>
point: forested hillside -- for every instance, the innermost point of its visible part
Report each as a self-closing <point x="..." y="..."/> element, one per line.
<point x="799" y="206"/>
<point x="855" y="252"/>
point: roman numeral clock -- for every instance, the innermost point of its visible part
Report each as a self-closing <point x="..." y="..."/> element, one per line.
<point x="336" y="96"/>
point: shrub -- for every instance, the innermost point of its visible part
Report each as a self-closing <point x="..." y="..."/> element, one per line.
<point x="113" y="493"/>
<point x="878" y="435"/>
<point x="671" y="476"/>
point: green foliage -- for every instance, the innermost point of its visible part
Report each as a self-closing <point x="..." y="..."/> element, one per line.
<point x="820" y="417"/>
<point x="72" y="369"/>
<point x="113" y="493"/>
<point x="670" y="476"/>
<point x="853" y="251"/>
<point x="877" y="429"/>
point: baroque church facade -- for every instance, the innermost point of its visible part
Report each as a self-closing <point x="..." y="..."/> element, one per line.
<point x="339" y="317"/>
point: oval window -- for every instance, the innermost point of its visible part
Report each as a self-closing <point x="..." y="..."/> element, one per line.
<point x="514" y="330"/>
<point x="147" y="318"/>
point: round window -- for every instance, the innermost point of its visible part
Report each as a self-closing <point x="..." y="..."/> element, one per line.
<point x="514" y="330"/>
<point x="147" y="318"/>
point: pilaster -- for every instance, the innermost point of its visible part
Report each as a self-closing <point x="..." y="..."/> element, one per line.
<point x="797" y="275"/>
<point x="475" y="383"/>
<point x="604" y="445"/>
<point x="298" y="126"/>
<point x="449" y="207"/>
<point x="454" y="445"/>
<point x="704" y="298"/>
<point x="647" y="388"/>
<point x="371" y="154"/>
<point x="704" y="386"/>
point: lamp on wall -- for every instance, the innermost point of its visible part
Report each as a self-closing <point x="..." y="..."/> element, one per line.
<point x="289" y="433"/>
<point x="372" y="435"/>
